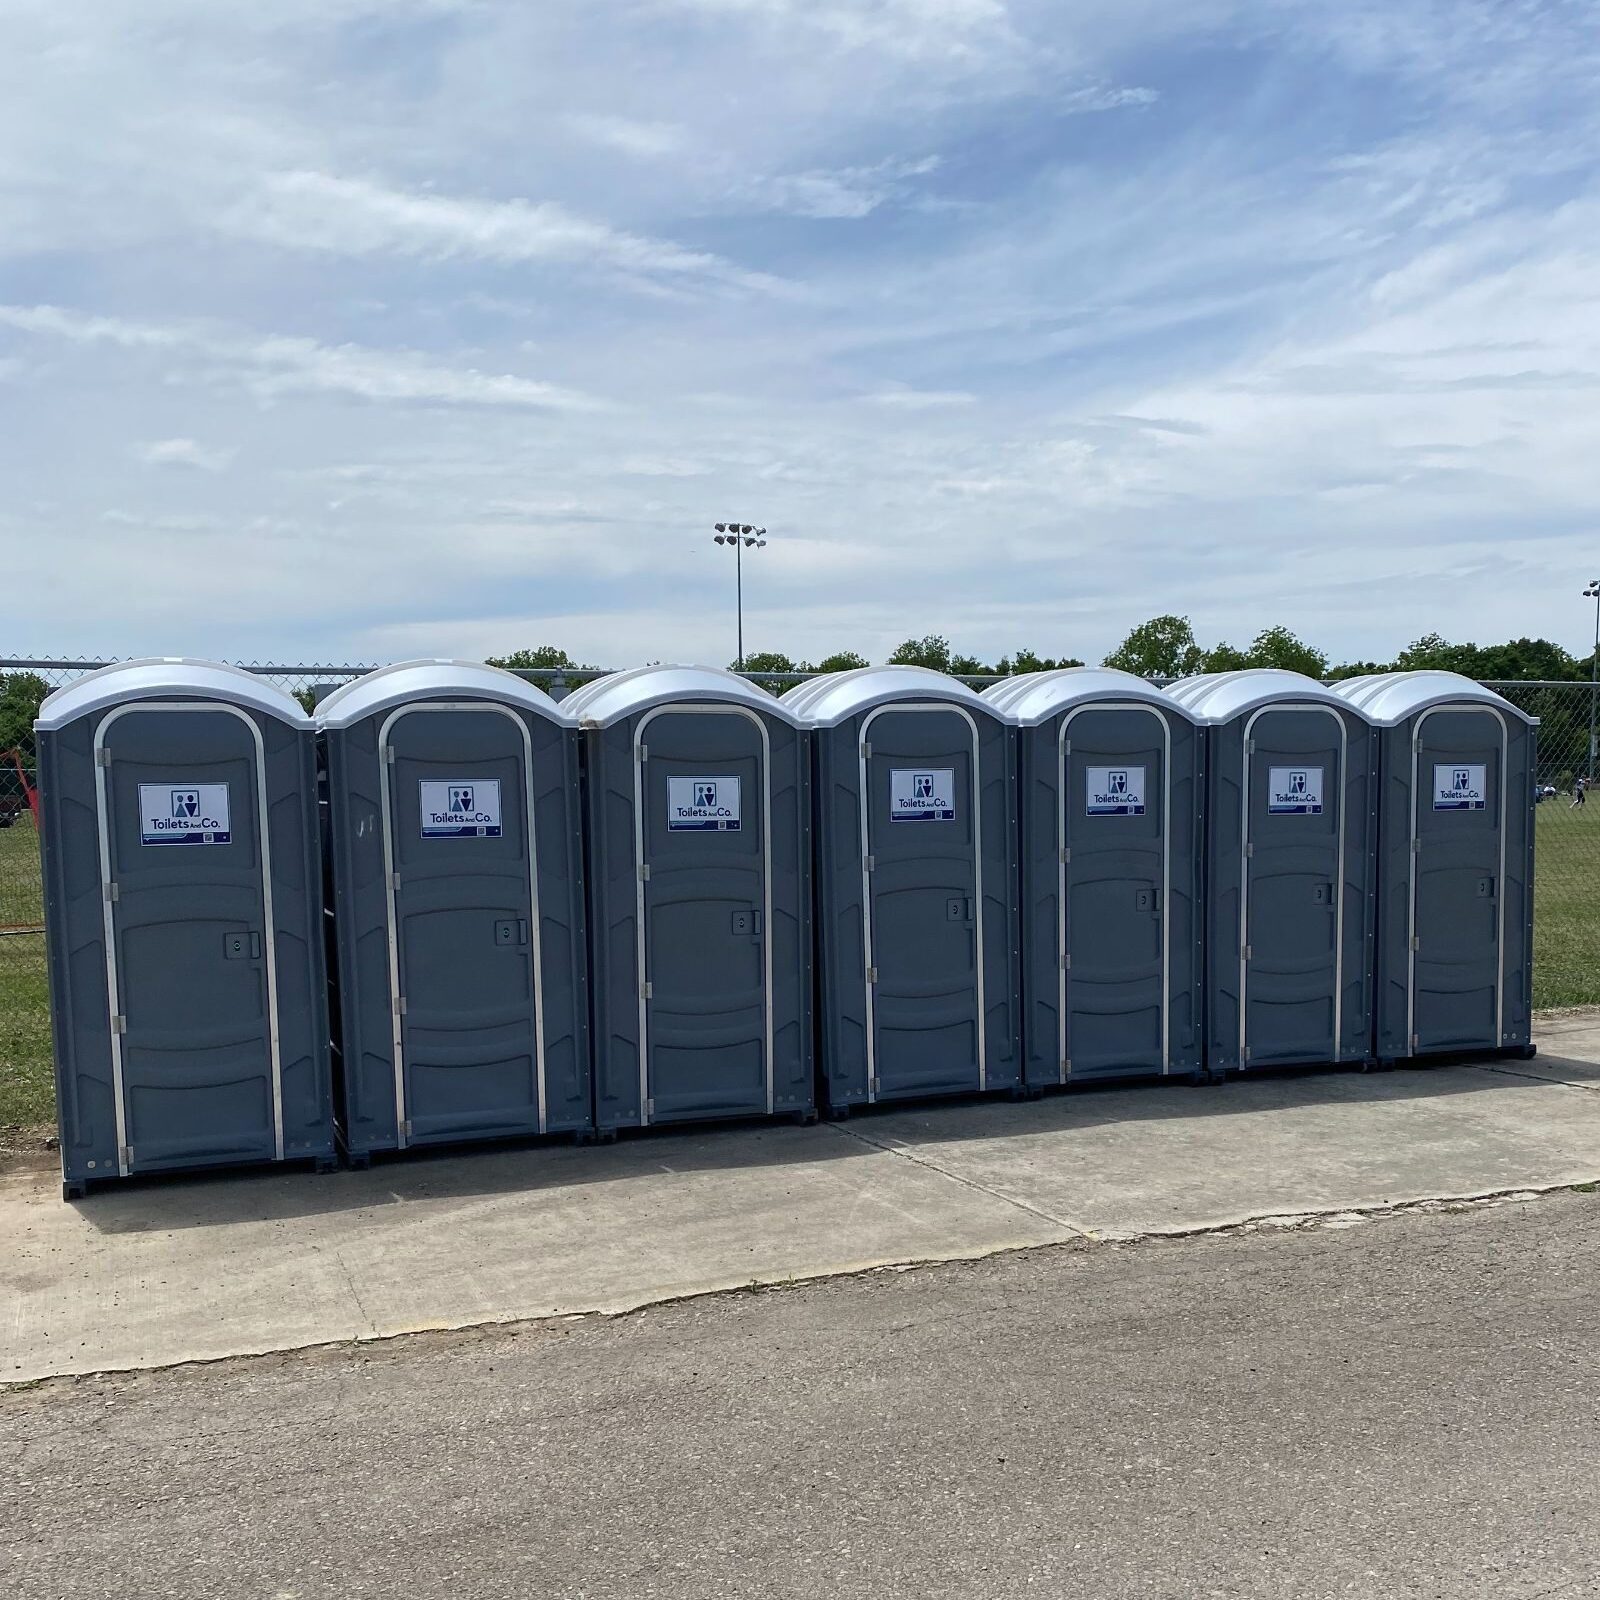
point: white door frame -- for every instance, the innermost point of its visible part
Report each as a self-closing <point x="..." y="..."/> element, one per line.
<point x="894" y="707"/>
<point x="698" y="709"/>
<point x="1414" y="877"/>
<point x="109" y="902"/>
<point x="1064" y="845"/>
<point x="391" y="889"/>
<point x="1245" y="808"/>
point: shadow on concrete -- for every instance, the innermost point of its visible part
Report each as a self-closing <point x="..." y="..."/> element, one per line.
<point x="162" y="1203"/>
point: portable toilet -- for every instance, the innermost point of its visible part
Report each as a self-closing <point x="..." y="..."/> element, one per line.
<point x="184" y="922"/>
<point x="699" y="831"/>
<point x="1110" y="782"/>
<point x="1291" y="873"/>
<point x="455" y="850"/>
<point x="1455" y="864"/>
<point x="916" y="885"/>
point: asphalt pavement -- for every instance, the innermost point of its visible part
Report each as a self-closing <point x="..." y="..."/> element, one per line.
<point x="1402" y="1406"/>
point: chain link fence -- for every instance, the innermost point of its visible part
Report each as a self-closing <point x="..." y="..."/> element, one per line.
<point x="1567" y="879"/>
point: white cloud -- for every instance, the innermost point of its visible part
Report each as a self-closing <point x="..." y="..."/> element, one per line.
<point x="649" y="140"/>
<point x="846" y="192"/>
<point x="920" y="399"/>
<point x="321" y="213"/>
<point x="183" y="453"/>
<point x="278" y="365"/>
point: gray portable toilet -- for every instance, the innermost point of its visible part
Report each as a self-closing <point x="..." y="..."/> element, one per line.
<point x="184" y="922"/>
<point x="456" y="883"/>
<point x="1291" y="869"/>
<point x="1110" y="775"/>
<point x="1455" y="864"/>
<point x="916" y="836"/>
<point x="700" y="898"/>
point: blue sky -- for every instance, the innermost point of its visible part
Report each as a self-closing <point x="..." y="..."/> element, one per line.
<point x="361" y="329"/>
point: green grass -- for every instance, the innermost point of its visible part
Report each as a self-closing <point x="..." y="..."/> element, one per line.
<point x="21" y="896"/>
<point x="1566" y="969"/>
<point x="1566" y="904"/>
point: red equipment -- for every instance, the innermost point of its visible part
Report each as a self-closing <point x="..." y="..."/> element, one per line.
<point x="29" y="793"/>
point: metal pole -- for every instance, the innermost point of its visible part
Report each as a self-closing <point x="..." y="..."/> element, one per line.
<point x="1594" y="683"/>
<point x="738" y="567"/>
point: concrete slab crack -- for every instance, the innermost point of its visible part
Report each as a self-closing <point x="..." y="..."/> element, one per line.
<point x="955" y="1177"/>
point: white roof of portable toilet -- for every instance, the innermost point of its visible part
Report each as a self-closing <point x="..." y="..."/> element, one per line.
<point x="407" y="681"/>
<point x="835" y="697"/>
<point x="610" y="699"/>
<point x="1035" y="697"/>
<point x="1217" y="697"/>
<point x="1389" y="698"/>
<point x="166" y="678"/>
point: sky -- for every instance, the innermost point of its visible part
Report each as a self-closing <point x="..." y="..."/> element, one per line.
<point x="360" y="330"/>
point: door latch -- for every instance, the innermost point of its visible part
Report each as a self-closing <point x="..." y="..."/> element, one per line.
<point x="746" y="924"/>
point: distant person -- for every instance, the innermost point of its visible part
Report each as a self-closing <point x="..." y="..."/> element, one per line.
<point x="1579" y="794"/>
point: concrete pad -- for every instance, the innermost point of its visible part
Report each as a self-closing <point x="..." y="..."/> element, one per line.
<point x="154" y="1273"/>
<point x="1120" y="1163"/>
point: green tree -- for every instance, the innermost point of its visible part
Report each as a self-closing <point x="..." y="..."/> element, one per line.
<point x="1163" y="647"/>
<point x="544" y="657"/>
<point x="1027" y="661"/>
<point x="1277" y="647"/>
<point x="839" y="661"/>
<point x="767" y="661"/>
<point x="21" y="695"/>
<point x="1225" y="657"/>
<point x="932" y="650"/>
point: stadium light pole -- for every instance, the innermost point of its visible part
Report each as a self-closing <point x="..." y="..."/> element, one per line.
<point x="740" y="535"/>
<point x="1593" y="593"/>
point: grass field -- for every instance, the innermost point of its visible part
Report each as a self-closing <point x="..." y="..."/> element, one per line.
<point x="1566" y="905"/>
<point x="1566" y="968"/>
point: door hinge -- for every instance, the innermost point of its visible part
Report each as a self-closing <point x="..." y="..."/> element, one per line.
<point x="873" y="1086"/>
<point x="119" y="1024"/>
<point x="644" y="752"/>
<point x="388" y="754"/>
<point x="1066" y="856"/>
<point x="869" y="863"/>
<point x="1249" y="1050"/>
<point x="1066" y="962"/>
<point x="400" y="1005"/>
<point x="111" y="894"/>
<point x="1416" y="847"/>
<point x="102" y="756"/>
<point x="866" y="752"/>
<point x="872" y="974"/>
<point x="650" y="1107"/>
<point x="647" y="991"/>
<point x="126" y="1154"/>
<point x="1250" y="747"/>
<point x="1249" y="850"/>
<point x="1415" y="1044"/>
<point x="406" y="1129"/>
<point x="1247" y="952"/>
<point x="1066" y="1067"/>
<point x="394" y="882"/>
<point x="1416" y="941"/>
<point x="644" y="873"/>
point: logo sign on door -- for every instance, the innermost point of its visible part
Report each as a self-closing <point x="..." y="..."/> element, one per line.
<point x="193" y="813"/>
<point x="1460" y="788"/>
<point x="1113" y="791"/>
<point x="460" y="808"/>
<point x="1295" y="791"/>
<point x="703" y="805"/>
<point x="922" y="794"/>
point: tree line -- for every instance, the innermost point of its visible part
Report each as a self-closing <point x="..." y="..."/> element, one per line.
<point x="1163" y="647"/>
